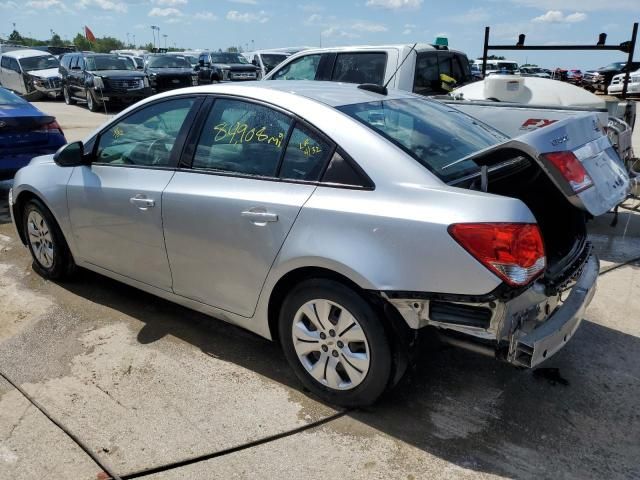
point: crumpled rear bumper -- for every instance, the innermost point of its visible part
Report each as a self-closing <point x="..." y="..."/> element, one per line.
<point x="538" y="345"/>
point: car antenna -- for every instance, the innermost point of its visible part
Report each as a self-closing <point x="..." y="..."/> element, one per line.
<point x="382" y="89"/>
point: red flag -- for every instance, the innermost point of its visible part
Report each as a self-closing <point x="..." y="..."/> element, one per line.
<point x="89" y="34"/>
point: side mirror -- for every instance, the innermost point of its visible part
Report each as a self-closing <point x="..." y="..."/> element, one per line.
<point x="201" y="63"/>
<point x="70" y="155"/>
<point x="254" y="62"/>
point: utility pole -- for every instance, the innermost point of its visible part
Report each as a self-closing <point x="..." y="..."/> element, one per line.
<point x="128" y="43"/>
<point x="165" y="40"/>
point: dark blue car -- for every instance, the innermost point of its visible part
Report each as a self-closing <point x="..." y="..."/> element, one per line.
<point x="25" y="132"/>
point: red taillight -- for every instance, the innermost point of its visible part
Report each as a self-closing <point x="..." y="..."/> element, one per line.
<point x="513" y="251"/>
<point x="571" y="169"/>
<point x="53" y="126"/>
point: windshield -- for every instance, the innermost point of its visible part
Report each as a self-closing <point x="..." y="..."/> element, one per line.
<point x="271" y="59"/>
<point x="9" y="98"/>
<point x="109" y="63"/>
<point x="434" y="134"/>
<point x="168" y="62"/>
<point x="615" y="66"/>
<point x="39" y="63"/>
<point x="193" y="61"/>
<point x="228" y="58"/>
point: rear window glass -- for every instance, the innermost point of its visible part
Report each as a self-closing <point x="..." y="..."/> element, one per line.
<point x="436" y="135"/>
<point x="360" y="67"/>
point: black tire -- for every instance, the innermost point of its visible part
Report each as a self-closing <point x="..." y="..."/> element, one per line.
<point x="92" y="103"/>
<point x="379" y="370"/>
<point x="62" y="264"/>
<point x="68" y="99"/>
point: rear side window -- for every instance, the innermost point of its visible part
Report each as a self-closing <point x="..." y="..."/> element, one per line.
<point x="13" y="65"/>
<point x="303" y="68"/>
<point x="427" y="77"/>
<point x="306" y="155"/>
<point x="242" y="137"/>
<point x="362" y="67"/>
<point x="4" y="63"/>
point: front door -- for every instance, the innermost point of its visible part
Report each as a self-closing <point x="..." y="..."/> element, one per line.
<point x="226" y="219"/>
<point x="115" y="204"/>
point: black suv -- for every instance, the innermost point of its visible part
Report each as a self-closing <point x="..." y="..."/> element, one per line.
<point x="216" y="67"/>
<point x="167" y="72"/>
<point x="98" y="78"/>
<point x="599" y="79"/>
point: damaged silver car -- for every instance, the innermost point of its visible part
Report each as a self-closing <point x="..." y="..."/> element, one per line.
<point x="30" y="73"/>
<point x="340" y="221"/>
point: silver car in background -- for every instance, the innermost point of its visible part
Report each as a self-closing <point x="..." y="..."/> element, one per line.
<point x="30" y="73"/>
<point x="335" y="220"/>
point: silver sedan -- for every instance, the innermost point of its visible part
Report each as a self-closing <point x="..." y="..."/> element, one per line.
<point x="336" y="219"/>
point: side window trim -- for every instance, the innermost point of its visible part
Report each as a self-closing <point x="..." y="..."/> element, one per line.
<point x="179" y="144"/>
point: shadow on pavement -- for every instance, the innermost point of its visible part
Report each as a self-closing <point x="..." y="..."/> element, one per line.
<point x="466" y="409"/>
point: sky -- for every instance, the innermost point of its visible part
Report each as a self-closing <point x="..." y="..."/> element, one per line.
<point x="259" y="24"/>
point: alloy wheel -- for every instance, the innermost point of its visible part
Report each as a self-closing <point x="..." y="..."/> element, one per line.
<point x="331" y="344"/>
<point x="40" y="239"/>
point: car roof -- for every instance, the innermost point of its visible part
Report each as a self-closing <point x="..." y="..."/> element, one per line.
<point x="27" y="53"/>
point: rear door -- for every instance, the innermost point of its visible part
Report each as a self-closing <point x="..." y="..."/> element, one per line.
<point x="115" y="204"/>
<point x="225" y="219"/>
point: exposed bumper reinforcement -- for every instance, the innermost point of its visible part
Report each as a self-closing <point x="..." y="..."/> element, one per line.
<point x="543" y="342"/>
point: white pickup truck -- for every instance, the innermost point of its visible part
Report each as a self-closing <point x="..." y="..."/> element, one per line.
<point x="510" y="103"/>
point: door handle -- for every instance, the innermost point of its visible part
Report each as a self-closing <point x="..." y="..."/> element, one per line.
<point x="142" y="202"/>
<point x="260" y="217"/>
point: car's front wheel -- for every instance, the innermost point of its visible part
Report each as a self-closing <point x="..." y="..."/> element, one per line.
<point x="68" y="99"/>
<point x="92" y="103"/>
<point x="51" y="256"/>
<point x="336" y="343"/>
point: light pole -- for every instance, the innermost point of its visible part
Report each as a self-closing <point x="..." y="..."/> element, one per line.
<point x="128" y="43"/>
<point x="165" y="40"/>
<point x="153" y="32"/>
<point x="134" y="40"/>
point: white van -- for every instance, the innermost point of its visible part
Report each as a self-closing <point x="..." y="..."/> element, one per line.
<point x="30" y="73"/>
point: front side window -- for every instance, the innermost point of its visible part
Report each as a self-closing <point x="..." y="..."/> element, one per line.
<point x="437" y="136"/>
<point x="303" y="68"/>
<point x="13" y="65"/>
<point x="146" y="137"/>
<point x="242" y="137"/>
<point x="306" y="155"/>
<point x="228" y="58"/>
<point x="365" y="67"/>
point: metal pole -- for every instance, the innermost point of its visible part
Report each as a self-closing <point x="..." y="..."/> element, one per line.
<point x="485" y="51"/>
<point x="632" y="47"/>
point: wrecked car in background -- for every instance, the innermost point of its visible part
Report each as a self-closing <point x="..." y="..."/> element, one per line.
<point x="30" y="73"/>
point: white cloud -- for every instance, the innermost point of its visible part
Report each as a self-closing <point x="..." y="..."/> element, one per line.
<point x="165" y="12"/>
<point x="205" y="16"/>
<point x="556" y="16"/>
<point x="473" y="15"/>
<point x="395" y="4"/>
<point x="170" y="3"/>
<point x="311" y="8"/>
<point x="108" y="5"/>
<point x="408" y="28"/>
<point x="244" y="2"/>
<point x="368" y="27"/>
<point x="582" y="5"/>
<point x="313" y="19"/>
<point x="336" y="31"/>
<point x="248" y="17"/>
<point x="46" y="4"/>
<point x="8" y="5"/>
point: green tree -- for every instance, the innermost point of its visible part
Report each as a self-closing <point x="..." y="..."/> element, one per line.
<point x="493" y="57"/>
<point x="81" y="43"/>
<point x="232" y="49"/>
<point x="15" y="37"/>
<point x="56" y="41"/>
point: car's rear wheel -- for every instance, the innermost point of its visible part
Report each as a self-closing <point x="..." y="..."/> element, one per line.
<point x="336" y="343"/>
<point x="68" y="99"/>
<point x="51" y="256"/>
